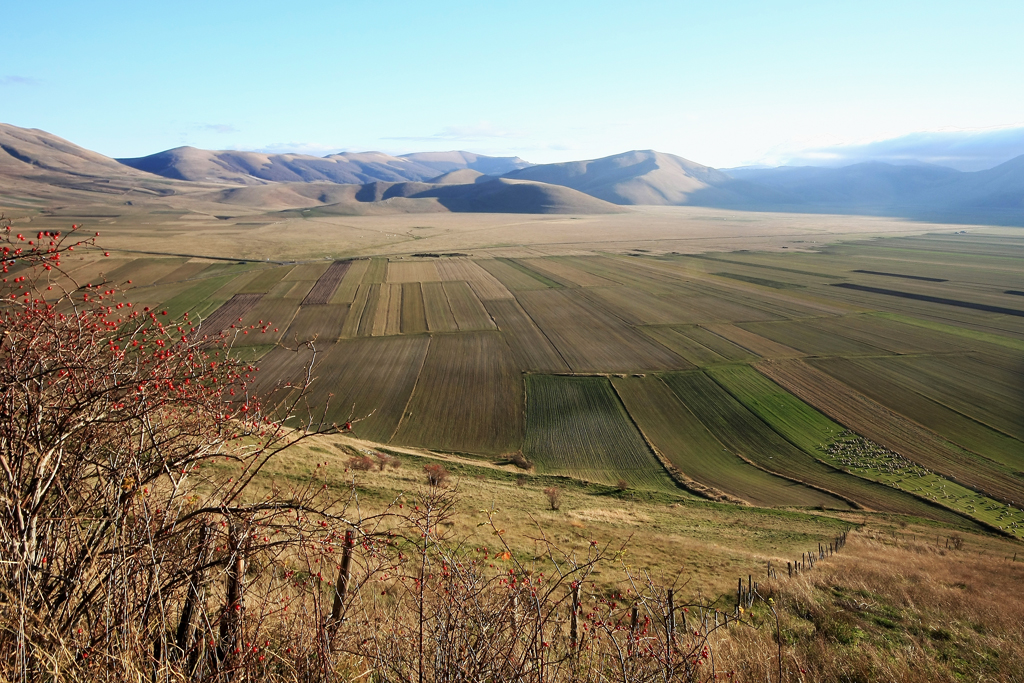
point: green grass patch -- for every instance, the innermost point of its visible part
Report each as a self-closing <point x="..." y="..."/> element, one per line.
<point x="578" y="427"/>
<point x="998" y="339"/>
<point x="194" y="299"/>
<point x="798" y="422"/>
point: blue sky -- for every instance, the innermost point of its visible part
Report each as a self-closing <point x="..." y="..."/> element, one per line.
<point x="723" y="83"/>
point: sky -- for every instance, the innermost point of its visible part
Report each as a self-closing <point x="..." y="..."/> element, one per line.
<point x="723" y="83"/>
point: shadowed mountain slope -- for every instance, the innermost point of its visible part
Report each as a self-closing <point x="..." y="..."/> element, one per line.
<point x="921" y="191"/>
<point x="27" y="151"/>
<point x="497" y="196"/>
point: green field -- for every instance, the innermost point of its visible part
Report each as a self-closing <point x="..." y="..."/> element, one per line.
<point x="577" y="427"/>
<point x="816" y="434"/>
<point x="689" y="445"/>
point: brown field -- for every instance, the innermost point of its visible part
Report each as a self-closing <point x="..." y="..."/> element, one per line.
<point x="412" y="271"/>
<point x="299" y="289"/>
<point x="307" y="271"/>
<point x="414" y="317"/>
<point x="376" y="271"/>
<point x="590" y="339"/>
<point x="468" y="398"/>
<point x="468" y="311"/>
<point x="371" y="380"/>
<point x="696" y="354"/>
<point x="566" y="274"/>
<point x="322" y="322"/>
<point x="327" y="284"/>
<point x="186" y="271"/>
<point x="751" y="341"/>
<point x="485" y="285"/>
<point x="717" y="343"/>
<point x="532" y="350"/>
<point x="265" y="280"/>
<point x="230" y="313"/>
<point x="512" y="278"/>
<point x="437" y="309"/>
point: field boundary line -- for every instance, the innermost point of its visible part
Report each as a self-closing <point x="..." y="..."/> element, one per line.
<point x="676" y="474"/>
<point x="408" y="401"/>
<point x="540" y="329"/>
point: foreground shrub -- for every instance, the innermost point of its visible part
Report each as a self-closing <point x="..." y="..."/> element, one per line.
<point x="436" y="473"/>
<point x="554" y="496"/>
<point x="129" y="443"/>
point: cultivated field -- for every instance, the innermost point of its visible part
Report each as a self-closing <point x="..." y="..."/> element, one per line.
<point x="812" y="372"/>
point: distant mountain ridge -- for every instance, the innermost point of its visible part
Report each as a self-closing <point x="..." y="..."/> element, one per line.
<point x="256" y="168"/>
<point x="36" y="164"/>
<point x="916" y="191"/>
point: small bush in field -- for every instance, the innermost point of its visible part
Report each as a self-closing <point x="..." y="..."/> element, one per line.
<point x="520" y="460"/>
<point x="622" y="485"/>
<point x="554" y="495"/>
<point x="521" y="480"/>
<point x="384" y="461"/>
<point x="363" y="463"/>
<point x="437" y="475"/>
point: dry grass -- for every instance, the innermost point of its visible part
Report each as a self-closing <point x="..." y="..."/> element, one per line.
<point x="890" y="609"/>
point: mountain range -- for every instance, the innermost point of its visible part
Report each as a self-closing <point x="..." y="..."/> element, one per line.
<point x="39" y="166"/>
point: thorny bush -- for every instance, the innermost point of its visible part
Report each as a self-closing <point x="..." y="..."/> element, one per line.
<point x="129" y="444"/>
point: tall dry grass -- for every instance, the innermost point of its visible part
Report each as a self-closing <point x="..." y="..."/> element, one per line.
<point x="887" y="610"/>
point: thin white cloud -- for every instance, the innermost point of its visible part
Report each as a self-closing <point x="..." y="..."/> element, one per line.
<point x="311" y="148"/>
<point x="19" y="80"/>
<point x="477" y="131"/>
<point x="222" y="128"/>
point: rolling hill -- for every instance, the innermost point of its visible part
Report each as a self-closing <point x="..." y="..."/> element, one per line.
<point x="499" y="195"/>
<point x="637" y="177"/>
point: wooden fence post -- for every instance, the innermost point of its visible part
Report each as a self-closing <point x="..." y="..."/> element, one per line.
<point x="671" y="614"/>
<point x="232" y="617"/>
<point x="344" y="573"/>
<point x="183" y="636"/>
<point x="573" y="634"/>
